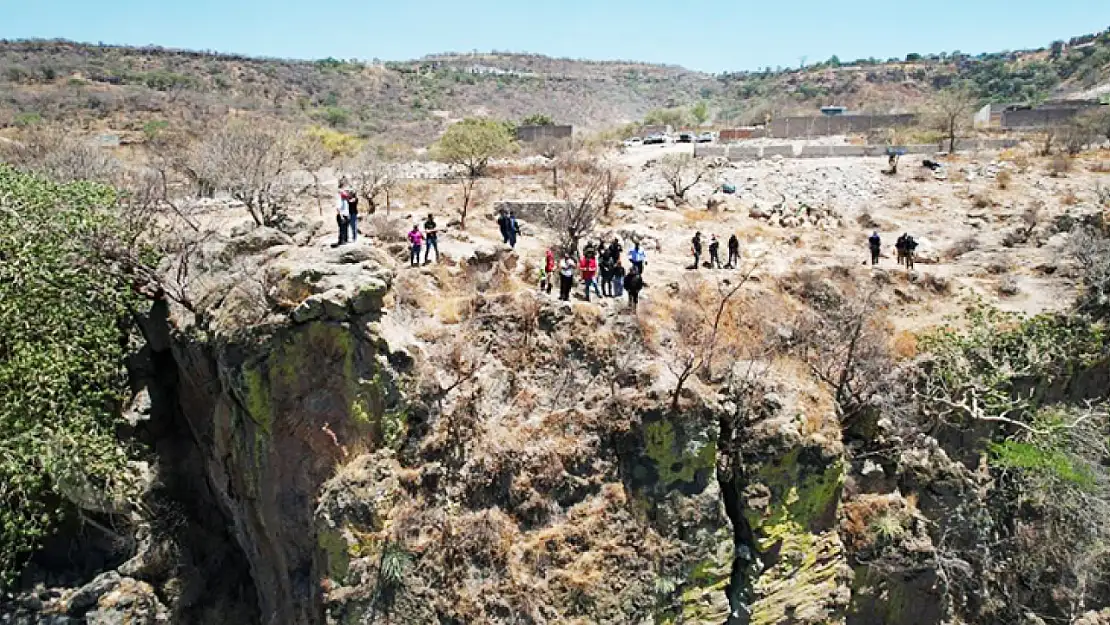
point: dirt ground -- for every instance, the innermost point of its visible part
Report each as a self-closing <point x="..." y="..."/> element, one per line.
<point x="976" y="202"/>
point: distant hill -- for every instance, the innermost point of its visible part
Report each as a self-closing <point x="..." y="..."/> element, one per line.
<point x="123" y="88"/>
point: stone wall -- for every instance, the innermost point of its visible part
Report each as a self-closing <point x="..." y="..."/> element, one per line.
<point x="532" y="211"/>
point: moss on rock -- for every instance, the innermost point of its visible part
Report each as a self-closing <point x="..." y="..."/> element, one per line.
<point x="806" y="576"/>
<point x="334" y="545"/>
<point x="676" y="460"/>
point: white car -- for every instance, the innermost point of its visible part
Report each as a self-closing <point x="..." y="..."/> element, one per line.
<point x="634" y="141"/>
<point x="705" y="137"/>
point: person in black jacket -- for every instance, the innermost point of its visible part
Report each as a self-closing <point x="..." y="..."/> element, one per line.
<point x="606" y="267"/>
<point x="431" y="238"/>
<point x="695" y="248"/>
<point x="876" y="244"/>
<point x="352" y="208"/>
<point x="632" y="285"/>
<point x="910" y="246"/>
<point x="733" y="252"/>
<point x="618" y="278"/>
<point x="714" y="252"/>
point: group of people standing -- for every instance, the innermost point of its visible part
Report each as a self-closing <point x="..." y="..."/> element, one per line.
<point x="904" y="248"/>
<point x="427" y="241"/>
<point x="696" y="248"/>
<point x="507" y="224"/>
<point x="602" y="261"/>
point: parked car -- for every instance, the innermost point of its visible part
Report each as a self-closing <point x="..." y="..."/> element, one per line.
<point x="654" y="139"/>
<point x="634" y="141"/>
<point x="705" y="137"/>
<point x="686" y="137"/>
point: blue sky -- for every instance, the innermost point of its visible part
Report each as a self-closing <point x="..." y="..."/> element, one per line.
<point x="709" y="35"/>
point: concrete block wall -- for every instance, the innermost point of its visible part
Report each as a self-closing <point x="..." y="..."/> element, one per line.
<point x="785" y="151"/>
<point x="535" y="133"/>
<point x="744" y="153"/>
<point x="823" y="126"/>
<point x="710" y="151"/>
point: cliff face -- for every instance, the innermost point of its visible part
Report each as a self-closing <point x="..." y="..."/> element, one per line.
<point x="327" y="455"/>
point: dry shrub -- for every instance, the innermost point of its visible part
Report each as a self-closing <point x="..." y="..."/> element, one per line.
<point x="384" y="227"/>
<point x="431" y="332"/>
<point x="911" y="201"/>
<point x="865" y="220"/>
<point x="961" y="247"/>
<point x="1102" y="195"/>
<point x="904" y="346"/>
<point x="1100" y="167"/>
<point x="454" y="310"/>
<point x="937" y="284"/>
<point x="527" y="168"/>
<point x="869" y="521"/>
<point x="1004" y="179"/>
<point x="1069" y="198"/>
<point x="1060" y="165"/>
<point x="982" y="199"/>
<point x="411" y="291"/>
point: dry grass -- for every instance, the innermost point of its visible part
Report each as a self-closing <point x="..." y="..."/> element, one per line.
<point x="698" y="216"/>
<point x="1099" y="167"/>
<point x="911" y="201"/>
<point x="501" y="170"/>
<point x="1060" y="165"/>
<point x="982" y="199"/>
<point x="1004" y="179"/>
<point x="869" y="519"/>
<point x="1069" y="198"/>
<point x="904" y="345"/>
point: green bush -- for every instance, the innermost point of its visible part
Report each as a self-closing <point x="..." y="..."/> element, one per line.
<point x="1052" y="463"/>
<point x="61" y="349"/>
<point x="334" y="116"/>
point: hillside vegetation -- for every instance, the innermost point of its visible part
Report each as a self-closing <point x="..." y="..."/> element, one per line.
<point x="123" y="88"/>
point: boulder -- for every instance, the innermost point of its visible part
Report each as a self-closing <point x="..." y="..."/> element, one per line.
<point x="487" y="255"/>
<point x="258" y="239"/>
<point x="355" y="253"/>
<point x="336" y="304"/>
<point x="308" y="310"/>
<point x="130" y="603"/>
<point x="368" y="296"/>
<point x="87" y="596"/>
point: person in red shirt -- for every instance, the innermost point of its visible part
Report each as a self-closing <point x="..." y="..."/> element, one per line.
<point x="588" y="268"/>
<point x="548" y="273"/>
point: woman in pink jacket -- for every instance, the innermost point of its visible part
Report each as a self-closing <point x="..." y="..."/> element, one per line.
<point x="416" y="239"/>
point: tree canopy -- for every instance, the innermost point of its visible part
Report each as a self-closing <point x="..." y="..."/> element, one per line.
<point x="472" y="142"/>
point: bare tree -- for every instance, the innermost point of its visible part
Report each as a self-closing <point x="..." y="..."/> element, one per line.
<point x="312" y="155"/>
<point x="951" y="112"/>
<point x="614" y="182"/>
<point x="59" y="155"/>
<point x="471" y="194"/>
<point x="681" y="171"/>
<point x="252" y="162"/>
<point x="373" y="176"/>
<point x="700" y="331"/>
<point x="845" y="347"/>
<point x="582" y="192"/>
